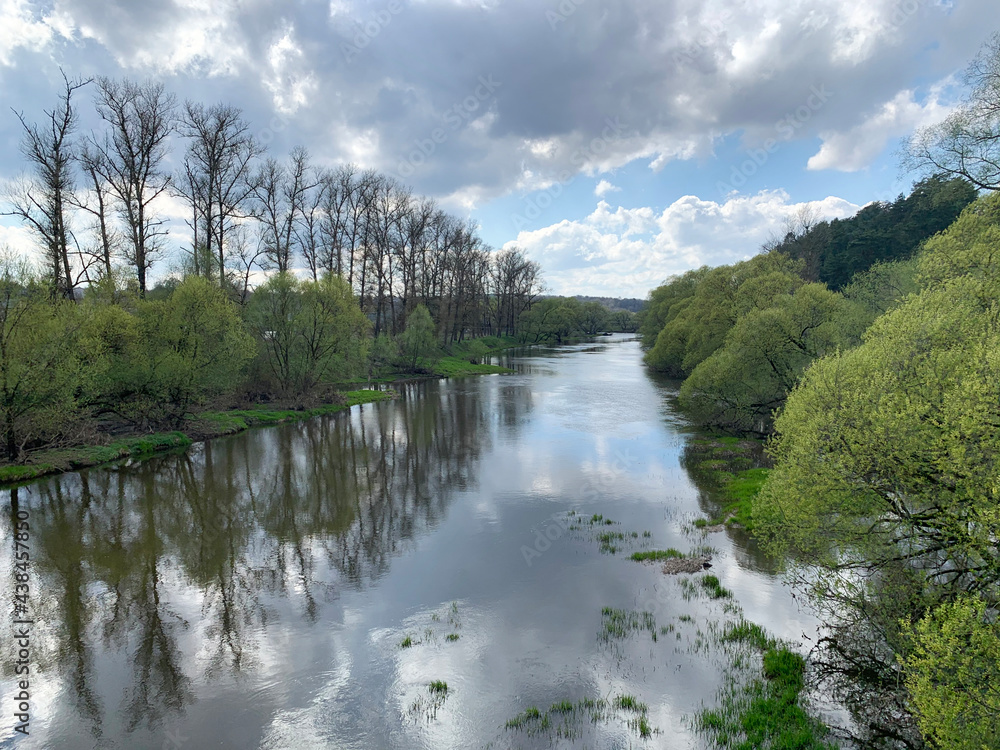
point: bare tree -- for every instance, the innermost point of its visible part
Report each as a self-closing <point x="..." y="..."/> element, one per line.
<point x="967" y="143"/>
<point x="280" y="196"/>
<point x="97" y="201"/>
<point x="218" y="175"/>
<point x="43" y="199"/>
<point x="140" y="119"/>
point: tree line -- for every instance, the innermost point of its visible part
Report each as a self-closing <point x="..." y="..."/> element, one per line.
<point x="93" y="201"/>
<point x="741" y="336"/>
<point x="868" y="351"/>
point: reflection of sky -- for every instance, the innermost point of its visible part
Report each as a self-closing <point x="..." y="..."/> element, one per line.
<point x="585" y="432"/>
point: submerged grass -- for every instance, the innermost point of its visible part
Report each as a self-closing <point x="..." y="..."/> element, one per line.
<point x="767" y="713"/>
<point x="761" y="704"/>
<point x="617" y="624"/>
<point x="731" y="466"/>
<point x="565" y="717"/>
<point x="714" y="588"/>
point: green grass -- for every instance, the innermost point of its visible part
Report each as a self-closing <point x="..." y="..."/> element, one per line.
<point x="438" y="686"/>
<point x="768" y="712"/>
<point x="456" y="367"/>
<point x="657" y="554"/>
<point x="452" y="637"/>
<point x="749" y="633"/>
<point x="617" y="624"/>
<point x="629" y="703"/>
<point x="727" y="463"/>
<point x="70" y="459"/>
<point x="714" y="588"/>
<point x="407" y="642"/>
<point x="564" y="714"/>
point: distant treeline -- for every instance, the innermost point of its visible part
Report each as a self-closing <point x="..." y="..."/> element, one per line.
<point x="616" y="303"/>
<point x="94" y="203"/>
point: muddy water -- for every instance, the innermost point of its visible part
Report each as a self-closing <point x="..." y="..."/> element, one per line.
<point x="257" y="591"/>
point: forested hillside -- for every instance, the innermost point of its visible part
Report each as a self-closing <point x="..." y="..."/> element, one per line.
<point x="741" y="336"/>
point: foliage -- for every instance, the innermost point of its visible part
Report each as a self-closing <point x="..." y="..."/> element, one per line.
<point x="418" y="343"/>
<point x="38" y="362"/>
<point x="309" y="333"/>
<point x="887" y="457"/>
<point x="881" y="232"/>
<point x="953" y="674"/>
<point x="384" y="352"/>
<point x="743" y="382"/>
<point x="708" y="304"/>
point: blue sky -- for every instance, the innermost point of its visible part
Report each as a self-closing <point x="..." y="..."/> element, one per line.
<point x="616" y="141"/>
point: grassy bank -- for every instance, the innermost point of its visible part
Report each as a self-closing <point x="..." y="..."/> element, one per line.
<point x="734" y="470"/>
<point x="767" y="710"/>
<point x="203" y="426"/>
<point x="456" y="367"/>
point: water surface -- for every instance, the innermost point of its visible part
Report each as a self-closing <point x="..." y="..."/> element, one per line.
<point x="255" y="591"/>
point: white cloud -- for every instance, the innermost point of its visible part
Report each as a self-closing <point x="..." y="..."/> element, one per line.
<point x="21" y="25"/>
<point x="856" y="148"/>
<point x="627" y="252"/>
<point x="189" y="37"/>
<point x="604" y="187"/>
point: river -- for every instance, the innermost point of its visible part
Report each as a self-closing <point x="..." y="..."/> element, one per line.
<point x="301" y="586"/>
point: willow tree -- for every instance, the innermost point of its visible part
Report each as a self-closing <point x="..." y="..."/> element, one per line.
<point x="885" y="483"/>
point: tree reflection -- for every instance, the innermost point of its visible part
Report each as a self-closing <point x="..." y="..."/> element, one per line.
<point x="229" y="530"/>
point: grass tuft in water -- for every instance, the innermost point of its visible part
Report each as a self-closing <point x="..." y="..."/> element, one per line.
<point x="617" y="624"/>
<point x="714" y="588"/>
<point x="657" y="554"/>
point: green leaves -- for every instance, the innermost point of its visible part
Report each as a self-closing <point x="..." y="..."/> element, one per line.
<point x="953" y="675"/>
<point x="309" y="333"/>
<point x="887" y="477"/>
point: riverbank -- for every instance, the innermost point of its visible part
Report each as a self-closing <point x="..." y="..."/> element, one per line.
<point x="197" y="428"/>
<point x="211" y="424"/>
<point x="734" y="469"/>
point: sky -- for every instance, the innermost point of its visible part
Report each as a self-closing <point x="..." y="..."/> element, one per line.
<point x="617" y="142"/>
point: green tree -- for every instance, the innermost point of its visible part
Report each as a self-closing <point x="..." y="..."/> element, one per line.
<point x="697" y="323"/>
<point x="886" y="460"/>
<point x="418" y="343"/>
<point x="384" y="353"/>
<point x="309" y="333"/>
<point x="953" y="674"/>
<point x="593" y="318"/>
<point x="38" y="362"/>
<point x="744" y="382"/>
<point x="197" y="348"/>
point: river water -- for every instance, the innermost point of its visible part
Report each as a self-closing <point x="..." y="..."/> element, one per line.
<point x="257" y="591"/>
